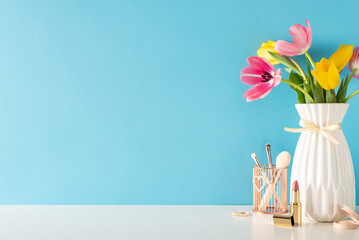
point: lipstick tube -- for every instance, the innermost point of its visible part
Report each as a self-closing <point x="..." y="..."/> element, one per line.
<point x="296" y="205"/>
<point x="283" y="220"/>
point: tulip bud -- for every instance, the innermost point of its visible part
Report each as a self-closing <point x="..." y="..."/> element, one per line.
<point x="354" y="62"/>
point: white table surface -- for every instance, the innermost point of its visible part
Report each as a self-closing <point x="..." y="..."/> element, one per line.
<point x="152" y="222"/>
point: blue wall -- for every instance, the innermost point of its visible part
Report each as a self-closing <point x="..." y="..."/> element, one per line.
<point x="140" y="102"/>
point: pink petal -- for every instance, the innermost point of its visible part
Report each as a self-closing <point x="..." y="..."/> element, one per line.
<point x="261" y="63"/>
<point x="255" y="89"/>
<point x="258" y="90"/>
<point x="277" y="77"/>
<point x="309" y="35"/>
<point x="251" y="79"/>
<point x="356" y="75"/>
<point x="287" y="49"/>
<point x="260" y="94"/>
<point x="299" y="33"/>
<point x="252" y="70"/>
<point x="354" y="61"/>
<point x="302" y="40"/>
<point x="356" y="54"/>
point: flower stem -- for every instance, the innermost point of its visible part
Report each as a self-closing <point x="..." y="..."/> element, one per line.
<point x="310" y="59"/>
<point x="351" y="95"/>
<point x="300" y="69"/>
<point x="351" y="75"/>
<point x="299" y="88"/>
<point x="354" y="93"/>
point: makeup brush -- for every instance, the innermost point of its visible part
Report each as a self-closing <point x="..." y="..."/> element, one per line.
<point x="271" y="171"/>
<point x="282" y="161"/>
<point x="264" y="175"/>
<point x="254" y="156"/>
<point x="263" y="204"/>
<point x="269" y="156"/>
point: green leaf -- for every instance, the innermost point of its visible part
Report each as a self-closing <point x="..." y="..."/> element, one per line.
<point x="288" y="69"/>
<point x="317" y="90"/>
<point x="308" y="89"/>
<point x="285" y="61"/>
<point x="342" y="91"/>
<point x="330" y="96"/>
<point x="297" y="79"/>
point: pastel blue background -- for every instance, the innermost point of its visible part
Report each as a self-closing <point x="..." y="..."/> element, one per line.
<point x="140" y="102"/>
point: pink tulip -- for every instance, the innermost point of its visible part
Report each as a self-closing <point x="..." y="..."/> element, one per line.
<point x="261" y="73"/>
<point x="354" y="63"/>
<point x="302" y="40"/>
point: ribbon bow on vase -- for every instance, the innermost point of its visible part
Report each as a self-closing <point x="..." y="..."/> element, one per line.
<point x="308" y="126"/>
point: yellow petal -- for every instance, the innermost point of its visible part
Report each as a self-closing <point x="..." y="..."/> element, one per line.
<point x="265" y="48"/>
<point x="264" y="54"/>
<point x="321" y="79"/>
<point x="333" y="76"/>
<point x="322" y="66"/>
<point x="271" y="44"/>
<point x="342" y="56"/>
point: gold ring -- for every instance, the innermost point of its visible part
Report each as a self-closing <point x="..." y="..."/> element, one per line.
<point x="240" y="214"/>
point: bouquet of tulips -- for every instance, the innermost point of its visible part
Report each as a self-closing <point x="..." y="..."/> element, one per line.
<point x="318" y="84"/>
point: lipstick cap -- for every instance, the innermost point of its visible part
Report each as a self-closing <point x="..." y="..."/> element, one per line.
<point x="283" y="220"/>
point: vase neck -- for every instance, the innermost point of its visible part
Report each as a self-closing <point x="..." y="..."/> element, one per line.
<point x="322" y="114"/>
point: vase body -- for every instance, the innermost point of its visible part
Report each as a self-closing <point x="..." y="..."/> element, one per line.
<point x="324" y="170"/>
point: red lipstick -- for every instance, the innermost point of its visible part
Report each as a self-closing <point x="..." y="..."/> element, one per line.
<point x="295" y="186"/>
<point x="295" y="205"/>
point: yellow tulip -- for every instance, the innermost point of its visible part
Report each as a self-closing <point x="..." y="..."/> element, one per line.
<point x="342" y="56"/>
<point x="265" y="48"/>
<point x="327" y="74"/>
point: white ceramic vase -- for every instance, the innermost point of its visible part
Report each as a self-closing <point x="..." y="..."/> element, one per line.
<point x="324" y="170"/>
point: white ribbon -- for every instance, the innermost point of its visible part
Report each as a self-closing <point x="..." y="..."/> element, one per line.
<point x="308" y="126"/>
